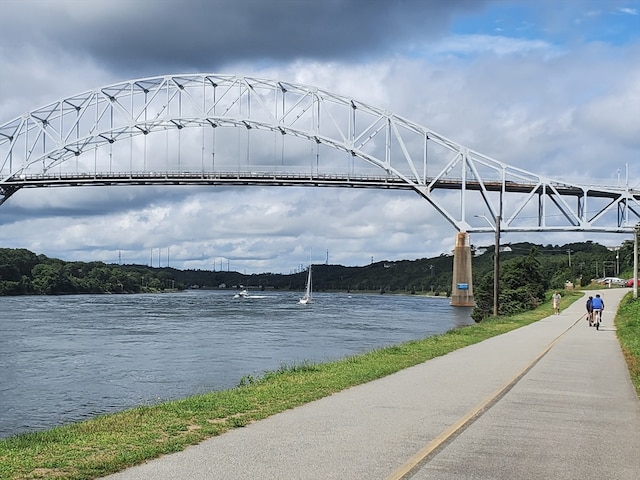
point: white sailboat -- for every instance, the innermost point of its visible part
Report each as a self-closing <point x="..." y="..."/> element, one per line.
<point x="307" y="295"/>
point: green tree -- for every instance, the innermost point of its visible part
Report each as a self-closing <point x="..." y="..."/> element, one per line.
<point x="47" y="278"/>
<point x="522" y="287"/>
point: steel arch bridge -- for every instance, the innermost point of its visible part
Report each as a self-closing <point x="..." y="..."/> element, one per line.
<point x="212" y="129"/>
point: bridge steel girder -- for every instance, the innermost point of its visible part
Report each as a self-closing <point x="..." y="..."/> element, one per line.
<point x="82" y="140"/>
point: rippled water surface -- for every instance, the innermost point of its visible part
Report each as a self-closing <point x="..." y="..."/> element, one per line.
<point x="68" y="358"/>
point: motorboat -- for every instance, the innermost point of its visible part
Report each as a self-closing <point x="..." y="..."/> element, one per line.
<point x="244" y="293"/>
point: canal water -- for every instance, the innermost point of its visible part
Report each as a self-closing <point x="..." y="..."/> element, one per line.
<point x="68" y="358"/>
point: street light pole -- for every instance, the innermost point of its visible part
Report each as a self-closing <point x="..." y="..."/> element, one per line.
<point x="496" y="261"/>
<point x="636" y="232"/>
<point x="496" y="269"/>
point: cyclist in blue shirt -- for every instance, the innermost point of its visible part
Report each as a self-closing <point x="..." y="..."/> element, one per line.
<point x="598" y="305"/>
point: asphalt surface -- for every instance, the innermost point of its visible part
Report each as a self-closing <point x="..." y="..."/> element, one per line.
<point x="552" y="400"/>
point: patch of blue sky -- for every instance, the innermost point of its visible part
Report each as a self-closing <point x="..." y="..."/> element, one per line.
<point x="499" y="19"/>
<point x="556" y="22"/>
<point x="619" y="26"/>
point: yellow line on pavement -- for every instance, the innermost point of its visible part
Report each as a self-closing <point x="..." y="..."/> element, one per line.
<point x="471" y="415"/>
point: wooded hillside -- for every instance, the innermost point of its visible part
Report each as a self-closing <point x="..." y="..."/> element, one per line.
<point x="24" y="272"/>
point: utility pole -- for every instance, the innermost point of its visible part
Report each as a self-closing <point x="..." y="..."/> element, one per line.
<point x="496" y="262"/>
<point x="496" y="259"/>
<point x="635" y="260"/>
<point x="496" y="268"/>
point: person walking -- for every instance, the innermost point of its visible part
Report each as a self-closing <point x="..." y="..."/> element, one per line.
<point x="556" y="303"/>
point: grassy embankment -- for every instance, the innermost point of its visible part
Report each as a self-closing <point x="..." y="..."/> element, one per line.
<point x="628" y="331"/>
<point x="113" y="442"/>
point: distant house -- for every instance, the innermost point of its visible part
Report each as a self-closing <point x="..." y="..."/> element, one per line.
<point x="482" y="250"/>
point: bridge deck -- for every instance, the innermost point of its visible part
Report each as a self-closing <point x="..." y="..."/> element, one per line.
<point x="286" y="179"/>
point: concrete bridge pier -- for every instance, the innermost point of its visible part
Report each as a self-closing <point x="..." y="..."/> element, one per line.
<point x="462" y="284"/>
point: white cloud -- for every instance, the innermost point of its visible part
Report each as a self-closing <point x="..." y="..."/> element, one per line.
<point x="465" y="45"/>
<point x="630" y="11"/>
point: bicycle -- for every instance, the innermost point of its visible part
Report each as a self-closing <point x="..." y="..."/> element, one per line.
<point x="597" y="316"/>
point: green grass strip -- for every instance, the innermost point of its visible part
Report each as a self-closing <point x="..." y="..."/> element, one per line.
<point x="113" y="442"/>
<point x="628" y="330"/>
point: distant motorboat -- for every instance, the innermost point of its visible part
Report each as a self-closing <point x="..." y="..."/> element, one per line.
<point x="307" y="295"/>
<point x="244" y="293"/>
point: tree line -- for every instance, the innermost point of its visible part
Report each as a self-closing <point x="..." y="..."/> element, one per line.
<point x="22" y="272"/>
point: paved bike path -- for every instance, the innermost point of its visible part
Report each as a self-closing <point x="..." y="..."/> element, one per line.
<point x="574" y="414"/>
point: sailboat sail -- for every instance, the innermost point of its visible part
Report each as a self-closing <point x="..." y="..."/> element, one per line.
<point x="307" y="295"/>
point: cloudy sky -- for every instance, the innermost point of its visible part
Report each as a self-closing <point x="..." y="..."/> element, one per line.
<point x="549" y="86"/>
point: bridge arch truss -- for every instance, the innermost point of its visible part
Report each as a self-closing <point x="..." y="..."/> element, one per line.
<point x="211" y="129"/>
